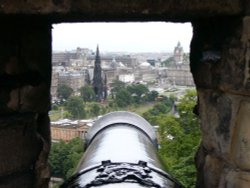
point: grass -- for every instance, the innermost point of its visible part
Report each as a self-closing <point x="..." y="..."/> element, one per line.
<point x="57" y="114"/>
<point x="140" y="109"/>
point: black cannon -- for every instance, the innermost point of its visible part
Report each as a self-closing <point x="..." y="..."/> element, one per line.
<point x="121" y="152"/>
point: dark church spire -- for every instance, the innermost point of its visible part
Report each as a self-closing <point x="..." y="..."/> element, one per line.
<point x="97" y="80"/>
<point x="97" y="51"/>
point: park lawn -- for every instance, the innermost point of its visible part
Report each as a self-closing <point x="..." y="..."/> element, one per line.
<point x="56" y="115"/>
<point x="140" y="109"/>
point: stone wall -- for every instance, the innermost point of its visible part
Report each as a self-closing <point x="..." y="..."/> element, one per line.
<point x="24" y="104"/>
<point x="116" y="10"/>
<point x="220" y="63"/>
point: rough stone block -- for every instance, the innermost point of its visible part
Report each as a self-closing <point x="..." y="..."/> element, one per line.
<point x="236" y="179"/>
<point x="19" y="144"/>
<point x="215" y="112"/>
<point x="212" y="171"/>
<point x="241" y="137"/>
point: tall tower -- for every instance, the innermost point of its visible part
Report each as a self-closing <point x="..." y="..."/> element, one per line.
<point x="97" y="79"/>
<point x="178" y="54"/>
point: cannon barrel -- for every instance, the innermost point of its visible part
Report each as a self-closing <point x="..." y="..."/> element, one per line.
<point x="121" y="151"/>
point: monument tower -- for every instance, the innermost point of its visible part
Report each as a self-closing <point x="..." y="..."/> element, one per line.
<point x="97" y="79"/>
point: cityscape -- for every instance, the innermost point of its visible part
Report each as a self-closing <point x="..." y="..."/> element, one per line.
<point x="77" y="68"/>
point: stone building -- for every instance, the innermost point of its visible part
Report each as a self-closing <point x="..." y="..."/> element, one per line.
<point x="67" y="130"/>
<point x="118" y="71"/>
<point x="162" y="77"/>
<point x="180" y="76"/>
<point x="66" y="58"/>
<point x="178" y="54"/>
<point x="62" y="58"/>
<point x="126" y="78"/>
<point x="115" y="59"/>
<point x="178" y="71"/>
<point x="71" y="69"/>
<point x="73" y="79"/>
<point x="145" y="72"/>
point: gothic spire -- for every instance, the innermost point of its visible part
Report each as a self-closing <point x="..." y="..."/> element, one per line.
<point x="97" y="51"/>
<point x="97" y="80"/>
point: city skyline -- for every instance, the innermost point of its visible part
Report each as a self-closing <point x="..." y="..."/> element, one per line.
<point x="122" y="37"/>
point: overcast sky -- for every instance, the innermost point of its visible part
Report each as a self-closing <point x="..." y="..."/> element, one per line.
<point x="122" y="37"/>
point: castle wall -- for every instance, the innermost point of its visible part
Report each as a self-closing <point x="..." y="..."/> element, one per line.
<point x="220" y="59"/>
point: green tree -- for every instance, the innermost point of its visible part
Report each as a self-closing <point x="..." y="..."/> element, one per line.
<point x="64" y="157"/>
<point x="152" y="95"/>
<point x="87" y="93"/>
<point x="58" y="154"/>
<point x="123" y="98"/>
<point x="117" y="86"/>
<point x="64" y="91"/>
<point x="95" y="109"/>
<point x="137" y="91"/>
<point x="163" y="107"/>
<point x="179" y="139"/>
<point x="75" y="107"/>
<point x="160" y="108"/>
